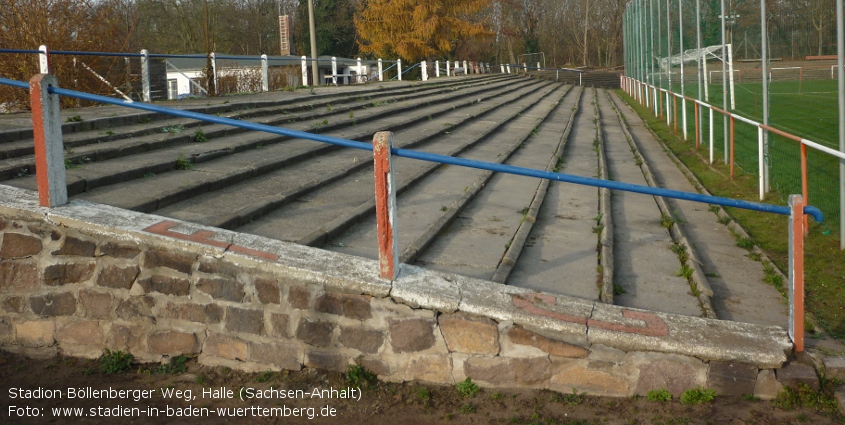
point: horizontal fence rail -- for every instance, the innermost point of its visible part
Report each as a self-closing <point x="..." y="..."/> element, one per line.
<point x="389" y="266"/>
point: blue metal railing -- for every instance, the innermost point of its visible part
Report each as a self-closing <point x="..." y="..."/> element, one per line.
<point x="430" y="157"/>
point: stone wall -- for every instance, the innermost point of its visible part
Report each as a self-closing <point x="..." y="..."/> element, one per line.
<point x="83" y="277"/>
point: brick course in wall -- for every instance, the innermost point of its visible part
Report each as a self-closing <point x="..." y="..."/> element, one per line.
<point x="80" y="289"/>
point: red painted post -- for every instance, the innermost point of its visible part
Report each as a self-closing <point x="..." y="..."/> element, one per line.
<point x="388" y="254"/>
<point x="796" y="271"/>
<point x="49" y="150"/>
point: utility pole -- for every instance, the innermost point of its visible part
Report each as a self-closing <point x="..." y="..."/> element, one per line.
<point x="315" y="71"/>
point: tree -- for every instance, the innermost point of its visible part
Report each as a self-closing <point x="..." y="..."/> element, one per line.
<point x="335" y="28"/>
<point x="417" y="29"/>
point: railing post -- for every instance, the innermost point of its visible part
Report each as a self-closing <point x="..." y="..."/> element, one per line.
<point x="796" y="271"/>
<point x="509" y="68"/>
<point x="359" y="76"/>
<point x="437" y="69"/>
<point x="711" y="135"/>
<point x="760" y="165"/>
<point x="265" y="77"/>
<point x="388" y="254"/>
<point x="424" y="66"/>
<point x="732" y="147"/>
<point x="380" y="70"/>
<point x="466" y="69"/>
<point x="44" y="59"/>
<point x="145" y="75"/>
<point x="49" y="151"/>
<point x="448" y="72"/>
<point x="334" y="70"/>
<point x="502" y="66"/>
<point x="399" y="69"/>
<point x="305" y="71"/>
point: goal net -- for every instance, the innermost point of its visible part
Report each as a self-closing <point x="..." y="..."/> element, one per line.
<point x="717" y="52"/>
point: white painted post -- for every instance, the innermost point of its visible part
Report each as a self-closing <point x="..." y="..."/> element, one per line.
<point x="760" y="166"/>
<point x="49" y="151"/>
<point x="448" y="72"/>
<point x="524" y="68"/>
<point x="538" y="66"/>
<point x="359" y="76"/>
<point x="424" y="67"/>
<point x="502" y="66"/>
<point x="380" y="70"/>
<point x="509" y="68"/>
<point x="214" y="71"/>
<point x="684" y="115"/>
<point x="466" y="69"/>
<point x="265" y="78"/>
<point x="304" y="71"/>
<point x="44" y="59"/>
<point x="711" y="135"/>
<point x="145" y="75"/>
<point x="334" y="70"/>
<point x="437" y="68"/>
<point x="399" y="68"/>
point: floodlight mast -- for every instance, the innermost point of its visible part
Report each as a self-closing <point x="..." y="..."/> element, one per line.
<point x="315" y="71"/>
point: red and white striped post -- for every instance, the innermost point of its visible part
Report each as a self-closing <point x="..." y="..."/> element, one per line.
<point x="796" y="271"/>
<point x="49" y="151"/>
<point x="388" y="254"/>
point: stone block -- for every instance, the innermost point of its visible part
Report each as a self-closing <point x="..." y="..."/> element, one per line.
<point x="282" y="355"/>
<point x="522" y="336"/>
<point x="834" y="368"/>
<point x="167" y="285"/>
<point x="14" y="304"/>
<point x="77" y="247"/>
<point x="97" y="305"/>
<point x="82" y="332"/>
<point x="35" y="333"/>
<point x="567" y="374"/>
<point x="126" y="337"/>
<point x="279" y="325"/>
<point x="436" y="369"/>
<point x="492" y="370"/>
<point x="173" y="343"/>
<point x="65" y="273"/>
<point x="839" y="395"/>
<point x="18" y="245"/>
<point x="299" y="297"/>
<point x="531" y="371"/>
<point x="6" y="328"/>
<point x="326" y="361"/>
<point x="728" y="378"/>
<point x="116" y="250"/>
<point x="135" y="307"/>
<point x="351" y="306"/>
<point x="674" y="373"/>
<point x="245" y="320"/>
<point x="192" y="312"/>
<point x="767" y="386"/>
<point x="411" y="335"/>
<point x="469" y="334"/>
<point x="170" y="259"/>
<point x="362" y="339"/>
<point x="218" y="266"/>
<point x="118" y="277"/>
<point x="226" y="347"/>
<point x="318" y="334"/>
<point x="376" y="366"/>
<point x="222" y="288"/>
<point x="18" y="275"/>
<point x="55" y="304"/>
<point x="268" y="290"/>
<point x="792" y="374"/>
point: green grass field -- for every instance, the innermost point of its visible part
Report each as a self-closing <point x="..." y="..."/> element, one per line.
<point x="807" y="109"/>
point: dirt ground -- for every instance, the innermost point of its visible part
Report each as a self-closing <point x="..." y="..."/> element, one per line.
<point x="379" y="403"/>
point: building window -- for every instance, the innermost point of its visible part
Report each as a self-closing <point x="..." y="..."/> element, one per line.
<point x="172" y="89"/>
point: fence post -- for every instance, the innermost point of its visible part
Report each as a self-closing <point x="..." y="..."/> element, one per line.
<point x="437" y="68"/>
<point x="448" y="72"/>
<point x="214" y="71"/>
<point x="334" y="70"/>
<point x="265" y="78"/>
<point x="424" y="67"/>
<point x="796" y="271"/>
<point x="388" y="254"/>
<point x="399" y="69"/>
<point x="380" y="70"/>
<point x="304" y="71"/>
<point x="509" y="68"/>
<point x="760" y="164"/>
<point x="502" y="66"/>
<point x="358" y="77"/>
<point x="49" y="151"/>
<point x="466" y="69"/>
<point x="145" y="75"/>
<point x="44" y="59"/>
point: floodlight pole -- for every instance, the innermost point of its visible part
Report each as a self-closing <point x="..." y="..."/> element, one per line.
<point x="315" y="71"/>
<point x="840" y="62"/>
<point x="765" y="67"/>
<point x="724" y="85"/>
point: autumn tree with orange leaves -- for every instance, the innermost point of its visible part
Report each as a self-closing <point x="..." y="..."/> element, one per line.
<point x="419" y="29"/>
